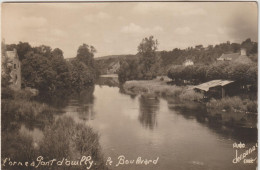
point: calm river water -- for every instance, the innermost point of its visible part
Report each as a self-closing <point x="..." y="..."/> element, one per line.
<point x="149" y="128"/>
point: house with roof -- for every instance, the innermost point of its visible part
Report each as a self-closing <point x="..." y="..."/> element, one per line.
<point x="11" y="59"/>
<point x="240" y="57"/>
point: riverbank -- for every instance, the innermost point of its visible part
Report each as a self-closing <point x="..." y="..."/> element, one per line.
<point x="159" y="88"/>
<point x="56" y="135"/>
<point x="229" y="110"/>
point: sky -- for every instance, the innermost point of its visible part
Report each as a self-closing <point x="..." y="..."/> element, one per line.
<point x="118" y="27"/>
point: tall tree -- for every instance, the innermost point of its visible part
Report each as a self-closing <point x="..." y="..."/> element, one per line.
<point x="147" y="49"/>
<point x="85" y="54"/>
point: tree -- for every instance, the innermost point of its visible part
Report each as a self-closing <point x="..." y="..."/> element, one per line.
<point x="85" y="54"/>
<point x="22" y="48"/>
<point x="147" y="49"/>
<point x="82" y="76"/>
<point x="37" y="72"/>
<point x="43" y="50"/>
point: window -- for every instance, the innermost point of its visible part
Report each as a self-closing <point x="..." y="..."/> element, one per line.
<point x="14" y="66"/>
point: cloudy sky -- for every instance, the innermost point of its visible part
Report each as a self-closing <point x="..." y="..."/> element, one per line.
<point x="118" y="28"/>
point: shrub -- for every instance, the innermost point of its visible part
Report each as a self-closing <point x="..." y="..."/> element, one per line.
<point x="14" y="111"/>
<point x="7" y="93"/>
<point x="233" y="103"/>
<point x="65" y="138"/>
<point x="190" y="95"/>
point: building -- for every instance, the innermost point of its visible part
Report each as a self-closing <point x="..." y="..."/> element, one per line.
<point x="240" y="57"/>
<point x="11" y="59"/>
<point x="215" y="88"/>
<point x="188" y="63"/>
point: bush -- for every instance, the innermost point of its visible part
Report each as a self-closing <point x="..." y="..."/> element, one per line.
<point x="190" y="95"/>
<point x="7" y="93"/>
<point x="17" y="111"/>
<point x="65" y="138"/>
<point x="233" y="104"/>
<point x="23" y="95"/>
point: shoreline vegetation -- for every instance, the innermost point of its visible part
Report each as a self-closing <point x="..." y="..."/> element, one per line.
<point x="46" y="76"/>
<point x="47" y="72"/>
<point x="138" y="76"/>
<point x="18" y="109"/>
<point x="228" y="110"/>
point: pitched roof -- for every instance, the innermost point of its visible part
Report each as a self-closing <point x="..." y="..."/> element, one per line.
<point x="243" y="59"/>
<point x="206" y="86"/>
<point x="231" y="56"/>
<point x="11" y="54"/>
<point x="235" y="57"/>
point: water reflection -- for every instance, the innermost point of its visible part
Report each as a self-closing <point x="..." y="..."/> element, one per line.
<point x="108" y="81"/>
<point x="197" y="111"/>
<point x="179" y="133"/>
<point x="86" y="102"/>
<point x="148" y="111"/>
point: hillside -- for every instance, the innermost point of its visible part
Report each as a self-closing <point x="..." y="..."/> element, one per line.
<point x="198" y="54"/>
<point x="110" y="64"/>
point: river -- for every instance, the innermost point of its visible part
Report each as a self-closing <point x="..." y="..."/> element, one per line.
<point x="152" y="128"/>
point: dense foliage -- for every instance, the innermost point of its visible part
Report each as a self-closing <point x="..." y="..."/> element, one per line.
<point x="243" y="73"/>
<point x="47" y="70"/>
<point x="205" y="55"/>
<point x="148" y="63"/>
<point x="142" y="67"/>
<point x="61" y="137"/>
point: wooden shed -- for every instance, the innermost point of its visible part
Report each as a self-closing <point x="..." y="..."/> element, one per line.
<point x="214" y="89"/>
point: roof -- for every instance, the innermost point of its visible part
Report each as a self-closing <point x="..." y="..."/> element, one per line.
<point x="235" y="57"/>
<point x="243" y="59"/>
<point x="11" y="54"/>
<point x="206" y="86"/>
<point x="231" y="56"/>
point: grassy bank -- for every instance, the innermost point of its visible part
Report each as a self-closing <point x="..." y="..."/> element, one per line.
<point x="228" y="110"/>
<point x="61" y="138"/>
<point x="233" y="111"/>
<point x="235" y="104"/>
<point x="159" y="87"/>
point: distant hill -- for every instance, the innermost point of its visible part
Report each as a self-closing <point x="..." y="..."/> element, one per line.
<point x="198" y="55"/>
<point x="111" y="63"/>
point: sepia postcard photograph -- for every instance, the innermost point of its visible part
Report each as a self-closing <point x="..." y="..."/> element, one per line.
<point x="113" y="85"/>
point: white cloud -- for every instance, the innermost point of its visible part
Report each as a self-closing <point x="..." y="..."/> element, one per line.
<point x="33" y="22"/>
<point x="197" y="11"/>
<point x="120" y="18"/>
<point x="173" y="8"/>
<point x="102" y="15"/>
<point x="183" y="30"/>
<point x="133" y="28"/>
<point x="224" y="30"/>
<point x="58" y="33"/>
<point x="96" y="17"/>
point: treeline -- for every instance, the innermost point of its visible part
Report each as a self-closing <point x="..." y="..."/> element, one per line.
<point x="144" y="65"/>
<point x="242" y="73"/>
<point x="45" y="69"/>
<point x="205" y="55"/>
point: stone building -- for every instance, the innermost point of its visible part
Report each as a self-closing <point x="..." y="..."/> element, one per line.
<point x="10" y="60"/>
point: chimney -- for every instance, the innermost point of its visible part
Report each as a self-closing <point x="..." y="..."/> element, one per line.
<point x="243" y="51"/>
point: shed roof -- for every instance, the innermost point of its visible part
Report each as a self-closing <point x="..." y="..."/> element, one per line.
<point x="206" y="86"/>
